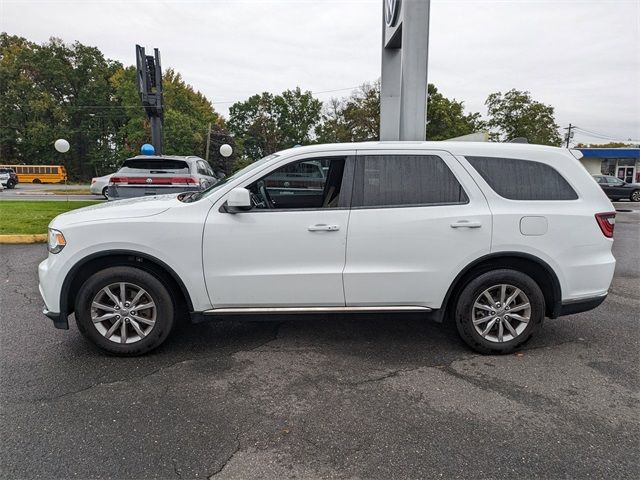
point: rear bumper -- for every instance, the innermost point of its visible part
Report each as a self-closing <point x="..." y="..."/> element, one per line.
<point x="120" y="192"/>
<point x="582" y="305"/>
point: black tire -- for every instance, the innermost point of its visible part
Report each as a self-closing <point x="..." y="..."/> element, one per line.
<point x="105" y="192"/>
<point x="164" y="320"/>
<point x="471" y="292"/>
<point x="635" y="196"/>
<point x="11" y="184"/>
<point x="36" y="180"/>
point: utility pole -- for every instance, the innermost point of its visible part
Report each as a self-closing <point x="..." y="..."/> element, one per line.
<point x="569" y="135"/>
<point x="206" y="155"/>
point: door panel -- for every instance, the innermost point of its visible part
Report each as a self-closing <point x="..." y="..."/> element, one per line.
<point x="275" y="257"/>
<point x="410" y="255"/>
<point x="268" y="259"/>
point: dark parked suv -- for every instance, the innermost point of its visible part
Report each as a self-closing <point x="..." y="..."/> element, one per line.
<point x="615" y="188"/>
<point x="156" y="175"/>
<point x="13" y="178"/>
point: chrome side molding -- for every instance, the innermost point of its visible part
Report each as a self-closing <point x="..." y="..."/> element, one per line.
<point x="249" y="310"/>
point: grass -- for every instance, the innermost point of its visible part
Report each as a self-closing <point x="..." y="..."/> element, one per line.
<point x="70" y="191"/>
<point x="32" y="217"/>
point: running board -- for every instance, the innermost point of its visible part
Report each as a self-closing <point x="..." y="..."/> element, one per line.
<point x="293" y="310"/>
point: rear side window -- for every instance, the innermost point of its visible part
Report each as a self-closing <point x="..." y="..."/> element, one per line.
<point x="405" y="180"/>
<point x="522" y="179"/>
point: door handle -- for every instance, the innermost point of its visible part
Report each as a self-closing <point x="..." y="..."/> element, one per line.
<point x="323" y="227"/>
<point x="466" y="224"/>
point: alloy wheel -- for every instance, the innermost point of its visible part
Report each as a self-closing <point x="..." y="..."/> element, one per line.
<point x="123" y="312"/>
<point x="501" y="313"/>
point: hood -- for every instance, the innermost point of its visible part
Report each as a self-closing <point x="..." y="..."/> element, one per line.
<point x="115" y="210"/>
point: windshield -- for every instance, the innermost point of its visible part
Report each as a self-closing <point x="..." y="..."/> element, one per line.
<point x="217" y="185"/>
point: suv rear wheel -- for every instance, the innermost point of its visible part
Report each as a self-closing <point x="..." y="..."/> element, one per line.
<point x="499" y="311"/>
<point x="124" y="310"/>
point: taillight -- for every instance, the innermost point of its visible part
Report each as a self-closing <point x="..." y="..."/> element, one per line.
<point x="184" y="181"/>
<point x="118" y="181"/>
<point x="606" y="221"/>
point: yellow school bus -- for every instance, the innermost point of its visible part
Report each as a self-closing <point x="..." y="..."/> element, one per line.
<point x="39" y="173"/>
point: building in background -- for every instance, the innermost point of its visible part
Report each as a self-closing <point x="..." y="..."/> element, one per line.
<point x="623" y="163"/>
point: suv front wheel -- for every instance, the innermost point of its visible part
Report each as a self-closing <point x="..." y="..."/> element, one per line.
<point x="499" y="311"/>
<point x="124" y="310"/>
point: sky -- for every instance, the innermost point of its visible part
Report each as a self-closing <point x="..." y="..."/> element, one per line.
<point x="580" y="56"/>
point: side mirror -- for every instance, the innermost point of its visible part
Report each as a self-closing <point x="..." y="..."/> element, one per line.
<point x="239" y="200"/>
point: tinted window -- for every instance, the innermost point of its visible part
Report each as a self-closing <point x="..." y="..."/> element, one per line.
<point x="523" y="179"/>
<point x="405" y="180"/>
<point x="302" y="184"/>
<point x="154" y="165"/>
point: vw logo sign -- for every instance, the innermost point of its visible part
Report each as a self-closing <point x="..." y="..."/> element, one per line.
<point x="391" y="10"/>
<point x="149" y="180"/>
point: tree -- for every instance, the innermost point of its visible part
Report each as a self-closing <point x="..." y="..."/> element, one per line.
<point x="266" y="123"/>
<point x="53" y="90"/>
<point x="516" y="114"/>
<point x="57" y="90"/>
<point x="186" y="117"/>
<point x="357" y="118"/>
<point x="446" y="118"/>
<point x="353" y="119"/>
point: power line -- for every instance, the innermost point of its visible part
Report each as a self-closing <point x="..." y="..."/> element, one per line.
<point x="116" y="107"/>
<point x="603" y="136"/>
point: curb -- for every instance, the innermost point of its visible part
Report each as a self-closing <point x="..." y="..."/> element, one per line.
<point x="22" y="239"/>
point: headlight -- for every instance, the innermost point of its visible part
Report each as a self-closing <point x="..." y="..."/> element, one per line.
<point x="56" y="241"/>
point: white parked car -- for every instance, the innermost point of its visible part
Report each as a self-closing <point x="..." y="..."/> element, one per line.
<point x="492" y="236"/>
<point x="4" y="180"/>
<point x="99" y="185"/>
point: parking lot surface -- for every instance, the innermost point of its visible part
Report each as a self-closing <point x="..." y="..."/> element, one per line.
<point x="324" y="397"/>
<point x="29" y="191"/>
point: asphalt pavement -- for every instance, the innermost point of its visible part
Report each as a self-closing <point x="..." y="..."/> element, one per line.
<point x="322" y="397"/>
<point x="32" y="191"/>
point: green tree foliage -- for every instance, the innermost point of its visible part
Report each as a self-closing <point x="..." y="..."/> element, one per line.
<point x="55" y="90"/>
<point x="352" y="119"/>
<point x="357" y="118"/>
<point x="516" y="114"/>
<point x="50" y="91"/>
<point x="266" y="123"/>
<point x="186" y="118"/>
<point x="446" y="118"/>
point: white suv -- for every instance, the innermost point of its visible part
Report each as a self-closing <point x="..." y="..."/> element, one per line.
<point x="492" y="236"/>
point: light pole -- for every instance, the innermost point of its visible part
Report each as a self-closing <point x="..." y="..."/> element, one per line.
<point x="62" y="146"/>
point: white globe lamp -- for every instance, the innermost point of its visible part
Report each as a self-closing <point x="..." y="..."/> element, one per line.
<point x="226" y="150"/>
<point x="61" y="145"/>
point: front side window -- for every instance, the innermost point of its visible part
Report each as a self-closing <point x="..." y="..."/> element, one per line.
<point x="405" y="180"/>
<point x="517" y="179"/>
<point x="305" y="184"/>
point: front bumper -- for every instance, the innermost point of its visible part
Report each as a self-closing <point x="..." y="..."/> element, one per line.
<point x="59" y="321"/>
<point x="50" y="287"/>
